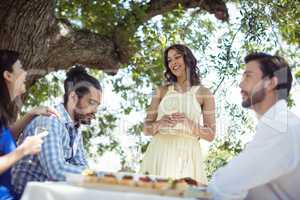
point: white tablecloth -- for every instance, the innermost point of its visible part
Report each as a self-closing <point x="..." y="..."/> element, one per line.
<point x="65" y="191"/>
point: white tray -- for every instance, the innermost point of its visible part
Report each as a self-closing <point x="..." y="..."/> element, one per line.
<point x="190" y="192"/>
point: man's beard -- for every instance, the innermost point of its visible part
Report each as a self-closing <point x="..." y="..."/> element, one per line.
<point x="81" y="118"/>
<point x="257" y="97"/>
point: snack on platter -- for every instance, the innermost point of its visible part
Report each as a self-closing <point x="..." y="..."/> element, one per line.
<point x="89" y="172"/>
<point x="127" y="180"/>
<point x="183" y="184"/>
<point x="147" y="184"/>
<point x="108" y="178"/>
<point x="90" y="175"/>
<point x="162" y="183"/>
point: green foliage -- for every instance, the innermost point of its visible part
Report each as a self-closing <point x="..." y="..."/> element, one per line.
<point x="266" y="21"/>
<point x="101" y="130"/>
<point x="297" y="74"/>
<point x="222" y="151"/>
<point x="45" y="89"/>
<point x="286" y="15"/>
<point x="230" y="143"/>
<point x="102" y="17"/>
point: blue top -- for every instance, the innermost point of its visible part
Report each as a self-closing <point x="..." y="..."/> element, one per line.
<point x="7" y="145"/>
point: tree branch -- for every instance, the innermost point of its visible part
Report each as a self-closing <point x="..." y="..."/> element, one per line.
<point x="70" y="46"/>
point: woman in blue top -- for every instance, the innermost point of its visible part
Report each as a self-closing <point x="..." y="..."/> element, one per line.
<point x="12" y="85"/>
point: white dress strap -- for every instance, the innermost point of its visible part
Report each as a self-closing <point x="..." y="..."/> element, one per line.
<point x="172" y="88"/>
<point x="195" y="89"/>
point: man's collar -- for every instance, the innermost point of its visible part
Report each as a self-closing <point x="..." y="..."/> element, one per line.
<point x="276" y="116"/>
<point x="65" y="117"/>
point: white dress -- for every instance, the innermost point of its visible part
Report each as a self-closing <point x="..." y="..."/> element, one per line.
<point x="175" y="152"/>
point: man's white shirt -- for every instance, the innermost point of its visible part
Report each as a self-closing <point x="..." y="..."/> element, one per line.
<point x="269" y="166"/>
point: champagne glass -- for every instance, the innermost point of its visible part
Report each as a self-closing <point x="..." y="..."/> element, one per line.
<point x="39" y="131"/>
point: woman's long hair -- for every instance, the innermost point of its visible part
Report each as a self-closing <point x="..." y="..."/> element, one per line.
<point x="7" y="107"/>
<point x="190" y="61"/>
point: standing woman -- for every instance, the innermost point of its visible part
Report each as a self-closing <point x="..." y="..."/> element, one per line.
<point x="181" y="113"/>
<point x="12" y="85"/>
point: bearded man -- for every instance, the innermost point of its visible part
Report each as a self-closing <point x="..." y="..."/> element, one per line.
<point x="269" y="167"/>
<point x="62" y="151"/>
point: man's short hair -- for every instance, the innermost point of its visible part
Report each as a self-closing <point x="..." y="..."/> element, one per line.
<point x="274" y="66"/>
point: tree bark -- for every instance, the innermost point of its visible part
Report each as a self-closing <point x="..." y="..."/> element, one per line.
<point x="47" y="44"/>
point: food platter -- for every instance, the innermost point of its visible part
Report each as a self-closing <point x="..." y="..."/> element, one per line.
<point x="136" y="183"/>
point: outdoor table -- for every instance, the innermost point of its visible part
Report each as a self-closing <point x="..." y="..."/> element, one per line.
<point x="66" y="191"/>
